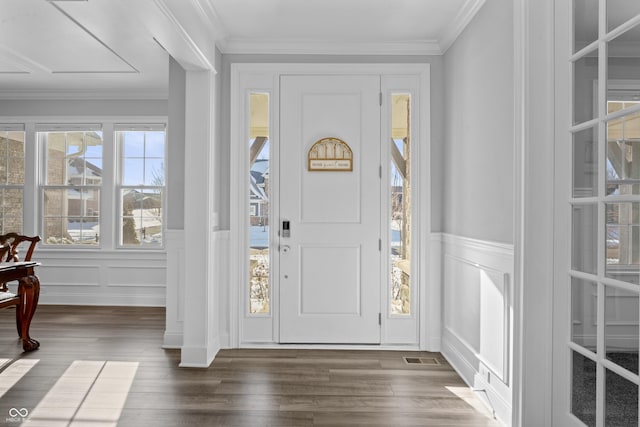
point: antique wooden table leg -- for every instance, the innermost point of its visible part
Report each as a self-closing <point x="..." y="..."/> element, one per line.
<point x="29" y="292"/>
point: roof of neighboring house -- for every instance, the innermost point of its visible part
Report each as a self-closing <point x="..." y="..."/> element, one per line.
<point x="79" y="164"/>
<point x="259" y="170"/>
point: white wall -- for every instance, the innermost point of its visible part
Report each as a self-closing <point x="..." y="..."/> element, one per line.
<point x="478" y="197"/>
<point x="479" y="136"/>
<point x="175" y="148"/>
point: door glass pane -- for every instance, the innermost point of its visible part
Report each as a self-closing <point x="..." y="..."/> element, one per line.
<point x="584" y="303"/>
<point x="583" y="390"/>
<point x="621" y="328"/>
<point x="585" y="87"/>
<point x="623" y="241"/>
<point x="583" y="239"/>
<point x="620" y="401"/>
<point x="259" y="218"/>
<point x="585" y="163"/>
<point x="623" y="64"/>
<point x="620" y="11"/>
<point x="623" y="152"/>
<point x="585" y="19"/>
<point x="400" y="243"/>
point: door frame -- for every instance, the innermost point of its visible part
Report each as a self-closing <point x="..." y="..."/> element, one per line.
<point x="263" y="330"/>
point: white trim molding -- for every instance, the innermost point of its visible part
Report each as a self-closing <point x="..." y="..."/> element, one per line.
<point x="174" y="322"/>
<point x="424" y="332"/>
<point x="477" y="316"/>
<point x="459" y="23"/>
<point x="294" y="47"/>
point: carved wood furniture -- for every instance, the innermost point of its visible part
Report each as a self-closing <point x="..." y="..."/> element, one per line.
<point x="12" y="269"/>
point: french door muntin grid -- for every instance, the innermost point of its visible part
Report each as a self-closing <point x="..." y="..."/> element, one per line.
<point x="602" y="118"/>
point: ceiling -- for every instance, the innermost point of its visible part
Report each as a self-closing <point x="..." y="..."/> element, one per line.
<point x="120" y="48"/>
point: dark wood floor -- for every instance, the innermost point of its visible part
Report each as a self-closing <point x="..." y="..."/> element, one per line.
<point x="241" y="388"/>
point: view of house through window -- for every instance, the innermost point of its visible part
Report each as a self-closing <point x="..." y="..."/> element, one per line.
<point x="623" y="179"/>
<point x="11" y="180"/>
<point x="400" y="244"/>
<point x="72" y="184"/>
<point x="259" y="218"/>
<point x="141" y="184"/>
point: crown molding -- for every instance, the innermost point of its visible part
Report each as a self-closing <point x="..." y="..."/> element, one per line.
<point x="198" y="59"/>
<point x="211" y="17"/>
<point x="459" y="23"/>
<point x="80" y="95"/>
<point x="310" y="47"/>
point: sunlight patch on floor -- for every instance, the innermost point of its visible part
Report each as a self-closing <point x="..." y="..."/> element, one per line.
<point x="89" y="393"/>
<point x="14" y="372"/>
<point x="469" y="396"/>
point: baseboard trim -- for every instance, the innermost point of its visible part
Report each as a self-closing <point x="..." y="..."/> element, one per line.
<point x="172" y="340"/>
<point x="198" y="357"/>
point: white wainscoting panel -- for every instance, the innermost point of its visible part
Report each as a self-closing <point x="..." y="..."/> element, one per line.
<point x="95" y="277"/>
<point x="477" y="316"/>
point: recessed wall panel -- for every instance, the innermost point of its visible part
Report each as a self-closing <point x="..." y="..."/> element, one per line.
<point x="332" y="286"/>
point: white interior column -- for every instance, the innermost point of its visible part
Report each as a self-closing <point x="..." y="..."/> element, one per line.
<point x="201" y="342"/>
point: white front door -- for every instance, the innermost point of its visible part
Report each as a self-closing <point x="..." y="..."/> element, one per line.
<point x="330" y="272"/>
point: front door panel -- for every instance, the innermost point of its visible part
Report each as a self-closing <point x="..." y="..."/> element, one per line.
<point x="330" y="263"/>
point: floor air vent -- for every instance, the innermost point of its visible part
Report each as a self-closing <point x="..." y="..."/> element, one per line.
<point x="421" y="360"/>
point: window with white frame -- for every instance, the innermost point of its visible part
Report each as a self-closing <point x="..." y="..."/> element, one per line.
<point x="11" y="178"/>
<point x="71" y="183"/>
<point x="141" y="184"/>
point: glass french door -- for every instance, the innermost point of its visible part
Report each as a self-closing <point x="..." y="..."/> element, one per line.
<point x="599" y="358"/>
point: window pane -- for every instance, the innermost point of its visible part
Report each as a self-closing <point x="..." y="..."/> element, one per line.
<point x="53" y="231"/>
<point x="56" y="167"/>
<point x="621" y="328"/>
<point x="585" y="163"/>
<point x="155" y="145"/>
<point x="584" y="298"/>
<point x="133" y="143"/>
<point x="74" y="143"/>
<point x="585" y="88"/>
<point x="585" y="18"/>
<point x="583" y="389"/>
<point x="55" y="145"/>
<point x="623" y="64"/>
<point x="620" y="11"/>
<point x="623" y="153"/>
<point x="53" y="203"/>
<point x="583" y="239"/>
<point x="142" y="172"/>
<point x="154" y="172"/>
<point x="71" y="214"/>
<point x="11" y="180"/>
<point x="133" y="172"/>
<point x="259" y="209"/>
<point x="623" y="241"/>
<point x="621" y="401"/>
<point x="400" y="191"/>
<point x="11" y="158"/>
<point x="141" y="217"/>
<point x="82" y="231"/>
<point x="11" y="215"/>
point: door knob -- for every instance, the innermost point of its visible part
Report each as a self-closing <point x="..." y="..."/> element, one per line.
<point x="286" y="249"/>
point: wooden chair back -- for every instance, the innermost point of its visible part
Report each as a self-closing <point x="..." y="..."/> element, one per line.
<point x="10" y="243"/>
